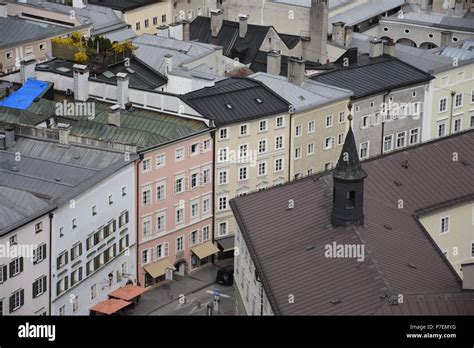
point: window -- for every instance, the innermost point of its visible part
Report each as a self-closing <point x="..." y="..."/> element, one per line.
<point x="457" y="125"/>
<point x="62" y="260"/>
<point x="262" y="168"/>
<point x="179" y="244"/>
<point x="146" y="197"/>
<point x="76" y="276"/>
<point x="223" y="176"/>
<point x="124" y="191"/>
<point x="388" y="143"/>
<point x="194" y="180"/>
<point x="155" y="20"/>
<point x="206" y="205"/>
<point x="13" y="240"/>
<point x="262" y="146"/>
<point x="163" y="19"/>
<point x="472" y="96"/>
<point x="62" y="310"/>
<point x="443" y="104"/>
<point x="298" y="153"/>
<point x="444" y="225"/>
<point x="222" y="155"/>
<point x="413" y="94"/>
<point x="441" y="129"/>
<point x="414" y="136"/>
<point x="76" y="251"/>
<point x="298" y="130"/>
<point x="278" y="164"/>
<point x="279" y="142"/>
<point x="161" y="223"/>
<point x="74" y="223"/>
<point x="62" y="285"/>
<point x="29" y="50"/>
<point x="137" y="26"/>
<point x="179" y="185"/>
<point x="401" y="139"/>
<point x="310" y="149"/>
<point x="243" y="151"/>
<point x="194" y="149"/>
<point x="472" y="250"/>
<point x="342" y="117"/>
<point x="207" y="145"/>
<point x="472" y="122"/>
<point x="9" y="55"/>
<point x="244" y="128"/>
<point x="262" y="126"/>
<point x="364" y="150"/>
<point x="206" y="176"/>
<point x="357" y="108"/>
<point x="146" y="256"/>
<point x="243" y="171"/>
<point x="179" y="154"/>
<point x="280" y="120"/>
<point x="93" y="291"/>
<point x="458" y="101"/>
<point x="160" y="160"/>
<point x="161" y="192"/>
<point x="329" y="143"/>
<point x="340" y="139"/>
<point x="17" y="299"/>
<point x="311" y="126"/>
<point x="206" y="235"/>
<point x="179" y="215"/>
<point x="365" y="121"/>
<point x="328" y="121"/>
<point x="222" y="203"/>
<point x="94" y="210"/>
<point x="123" y="218"/>
<point x="372" y="104"/>
<point x="146" y="227"/>
<point x="222" y="228"/>
<point x="111" y="200"/>
<point x="39" y="227"/>
<point x="194" y="210"/>
<point x="223" y="133"/>
<point x="147" y="23"/>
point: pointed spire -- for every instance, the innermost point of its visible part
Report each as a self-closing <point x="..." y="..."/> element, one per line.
<point x="348" y="167"/>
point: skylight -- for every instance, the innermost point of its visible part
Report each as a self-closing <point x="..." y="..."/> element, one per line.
<point x="228" y="106"/>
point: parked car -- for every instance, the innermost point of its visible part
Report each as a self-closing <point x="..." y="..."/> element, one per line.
<point x="225" y="275"/>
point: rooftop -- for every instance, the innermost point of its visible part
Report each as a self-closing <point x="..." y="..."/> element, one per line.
<point x="259" y="63"/>
<point x="123" y="5"/>
<point x="25" y="96"/>
<point x="15" y="31"/>
<point x="370" y="76"/>
<point x="288" y="245"/>
<point x="310" y="95"/>
<point x="235" y="100"/>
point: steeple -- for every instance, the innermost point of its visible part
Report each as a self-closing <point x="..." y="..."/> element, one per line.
<point x="348" y="185"/>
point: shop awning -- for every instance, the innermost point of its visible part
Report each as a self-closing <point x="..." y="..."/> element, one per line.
<point x="128" y="292"/>
<point x="226" y="243"/>
<point x="110" y="306"/>
<point x="157" y="269"/>
<point x="204" y="250"/>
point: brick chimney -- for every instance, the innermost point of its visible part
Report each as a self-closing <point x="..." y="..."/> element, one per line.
<point x="338" y="33"/>
<point x="389" y="48"/>
<point x="446" y="38"/>
<point x="27" y="68"/>
<point x="163" y="31"/>
<point x="114" y="115"/>
<point x="122" y="89"/>
<point x="81" y="82"/>
<point x="375" y="48"/>
<point x="274" y="62"/>
<point x="217" y="19"/>
<point x="296" y="71"/>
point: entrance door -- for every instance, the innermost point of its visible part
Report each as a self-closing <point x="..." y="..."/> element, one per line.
<point x="181" y="268"/>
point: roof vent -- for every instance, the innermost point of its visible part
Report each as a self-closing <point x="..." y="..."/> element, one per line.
<point x="228" y="106"/>
<point x="336" y="301"/>
<point x="291" y="204"/>
<point x="464" y="163"/>
<point x="57" y="179"/>
<point x="14" y="168"/>
<point x="76" y="156"/>
<point x="411" y="265"/>
<point x="405" y="164"/>
<point x="309" y="247"/>
<point x="397" y="183"/>
<point x="387" y="227"/>
<point x="258" y="100"/>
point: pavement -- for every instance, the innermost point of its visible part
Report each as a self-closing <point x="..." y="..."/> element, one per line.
<point x="160" y="299"/>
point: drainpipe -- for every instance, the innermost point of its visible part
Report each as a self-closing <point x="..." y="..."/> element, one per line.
<point x="383" y="122"/>
<point x="137" y="202"/>
<point x="51" y="215"/>
<point x="290" y="161"/>
<point x="452" y="111"/>
<point x="214" y="190"/>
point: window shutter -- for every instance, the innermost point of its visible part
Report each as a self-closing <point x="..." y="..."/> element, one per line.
<point x="45" y="284"/>
<point x="4" y="271"/>
<point x="80" y="249"/>
<point x="35" y="289"/>
<point x="66" y="282"/>
<point x="126" y="216"/>
<point x="126" y="240"/>
<point x="80" y="274"/>
<point x="21" y="264"/>
<point x="200" y="237"/>
<point x="35" y="256"/>
<point x="333" y="142"/>
<point x="58" y="287"/>
<point x="22" y="297"/>
<point x="12" y="269"/>
<point x="201" y="179"/>
<point x="166" y="245"/>
<point x="185" y="184"/>
<point x="43" y="251"/>
<point x="12" y="303"/>
<point x="190" y="238"/>
<point x="114" y="224"/>
<point x="201" y="147"/>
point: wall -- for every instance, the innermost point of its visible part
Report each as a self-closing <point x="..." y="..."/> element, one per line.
<point x="456" y="243"/>
<point x="26" y="236"/>
<point x="147" y="12"/>
<point x="184" y="9"/>
<point x="87" y="224"/>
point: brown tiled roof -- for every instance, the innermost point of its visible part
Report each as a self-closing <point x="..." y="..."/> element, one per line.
<point x="287" y="246"/>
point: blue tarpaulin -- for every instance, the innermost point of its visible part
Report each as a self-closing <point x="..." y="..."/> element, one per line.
<point x="24" y="97"/>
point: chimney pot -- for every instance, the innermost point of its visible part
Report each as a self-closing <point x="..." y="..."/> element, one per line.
<point x="114" y="116"/>
<point x="296" y="71"/>
<point x="376" y="48"/>
<point x="338" y="33"/>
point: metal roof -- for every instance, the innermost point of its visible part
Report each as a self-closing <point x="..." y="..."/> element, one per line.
<point x="235" y="100"/>
<point x="123" y="5"/>
<point x="288" y="245"/>
<point x="120" y="35"/>
<point x="301" y="97"/>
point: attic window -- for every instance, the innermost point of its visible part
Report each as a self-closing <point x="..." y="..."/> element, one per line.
<point x="228" y="106"/>
<point x="258" y="100"/>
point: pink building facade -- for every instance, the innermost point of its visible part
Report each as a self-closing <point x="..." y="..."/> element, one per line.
<point x="175" y="208"/>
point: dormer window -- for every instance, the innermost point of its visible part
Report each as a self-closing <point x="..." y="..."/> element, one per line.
<point x="228" y="106"/>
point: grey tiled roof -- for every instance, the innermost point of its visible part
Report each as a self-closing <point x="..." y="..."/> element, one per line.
<point x="288" y="246"/>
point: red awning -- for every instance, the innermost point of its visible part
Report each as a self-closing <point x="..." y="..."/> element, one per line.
<point x="110" y="306"/>
<point x="128" y="292"/>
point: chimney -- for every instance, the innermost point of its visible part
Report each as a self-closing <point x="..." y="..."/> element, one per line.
<point x="168" y="63"/>
<point x="459" y="7"/>
<point x="64" y="135"/>
<point x="3" y="10"/>
<point x="338" y="33"/>
<point x="375" y="48"/>
<point x="468" y="5"/>
<point x="9" y="136"/>
<point x="296" y="71"/>
<point x="79" y="3"/>
<point x="243" y="25"/>
<point x="113" y="114"/>
<point x="467" y="276"/>
<point x="122" y="89"/>
<point x="424" y="4"/>
<point x="274" y="62"/>
<point x="389" y="48"/>
<point x="438" y="6"/>
<point x="163" y="31"/>
<point x="348" y="30"/>
<point x="217" y="17"/>
<point x="186" y="35"/>
<point x="446" y="38"/>
<point x="27" y="68"/>
<point x="81" y="82"/>
<point x="176" y="30"/>
<point x="315" y="48"/>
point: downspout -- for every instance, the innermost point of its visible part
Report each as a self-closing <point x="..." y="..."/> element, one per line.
<point x="137" y="202"/>
<point x="290" y="161"/>
<point x="383" y="122"/>
<point x="51" y="215"/>
<point x="214" y="188"/>
<point x="450" y="120"/>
